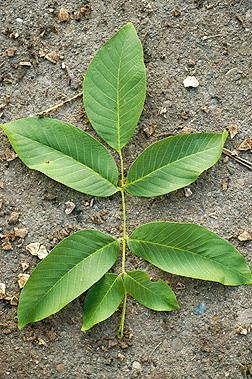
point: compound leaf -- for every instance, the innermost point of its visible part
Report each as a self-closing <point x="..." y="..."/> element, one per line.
<point x="190" y="250"/>
<point x="102" y="300"/>
<point x="173" y="163"/>
<point x="72" y="267"/>
<point x="65" y="154"/>
<point x="115" y="87"/>
<point x="154" y="295"/>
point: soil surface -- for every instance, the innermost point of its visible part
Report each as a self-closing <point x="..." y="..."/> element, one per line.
<point x="42" y="61"/>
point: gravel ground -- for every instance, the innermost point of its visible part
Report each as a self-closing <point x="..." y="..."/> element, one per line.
<point x="208" y="39"/>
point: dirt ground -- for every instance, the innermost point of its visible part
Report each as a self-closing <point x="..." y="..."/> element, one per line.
<point x="209" y="39"/>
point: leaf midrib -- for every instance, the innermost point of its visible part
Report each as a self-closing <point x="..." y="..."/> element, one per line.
<point x="118" y="99"/>
<point x="169" y="164"/>
<point x="66" y="155"/>
<point x="62" y="277"/>
<point x="190" y="252"/>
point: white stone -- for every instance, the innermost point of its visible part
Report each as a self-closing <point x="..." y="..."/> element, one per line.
<point x="191" y="81"/>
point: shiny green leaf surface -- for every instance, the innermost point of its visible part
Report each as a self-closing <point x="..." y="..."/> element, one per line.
<point x="190" y="250"/>
<point x="72" y="267"/>
<point x="102" y="300"/>
<point x="154" y="295"/>
<point x="115" y="87"/>
<point x="173" y="163"/>
<point x="65" y="154"/>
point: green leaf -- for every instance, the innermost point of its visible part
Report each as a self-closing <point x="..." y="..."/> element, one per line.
<point x="154" y="295"/>
<point x="190" y="250"/>
<point x="72" y="267"/>
<point x="102" y="300"/>
<point x="115" y="87"/>
<point x="173" y="163"/>
<point x="65" y="154"/>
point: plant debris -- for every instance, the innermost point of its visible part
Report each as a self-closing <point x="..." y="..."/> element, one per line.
<point x="245" y="145"/>
<point x="99" y="217"/>
<point x="6" y="245"/>
<point x="233" y="130"/>
<point x="225" y="184"/>
<point x="63" y="15"/>
<point x="20" y="232"/>
<point x="246" y="370"/>
<point x="41" y="342"/>
<point x="176" y="12"/>
<point x="36" y="249"/>
<point x="14" y="218"/>
<point x="150" y="130"/>
<point x="22" y="279"/>
<point x="8" y="155"/>
<point x="52" y="57"/>
<point x="83" y="11"/>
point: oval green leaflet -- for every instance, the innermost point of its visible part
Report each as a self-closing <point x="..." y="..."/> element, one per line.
<point x="115" y="87"/>
<point x="190" y="250"/>
<point x="65" y="154"/>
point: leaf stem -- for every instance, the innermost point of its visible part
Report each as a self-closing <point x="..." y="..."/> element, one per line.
<point x="121" y="328"/>
<point x="124" y="239"/>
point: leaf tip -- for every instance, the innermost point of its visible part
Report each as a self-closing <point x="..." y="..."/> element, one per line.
<point x="21" y="324"/>
<point x="129" y="24"/>
<point x="84" y="328"/>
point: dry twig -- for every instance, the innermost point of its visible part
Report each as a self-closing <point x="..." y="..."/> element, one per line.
<point x="55" y="107"/>
<point x="242" y="161"/>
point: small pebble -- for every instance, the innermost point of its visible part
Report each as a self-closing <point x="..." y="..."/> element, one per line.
<point x="63" y="15"/>
<point x="70" y="206"/>
<point x="137" y="366"/>
<point x="191" y="82"/>
<point x="33" y="248"/>
<point x="10" y="52"/>
<point x="14" y="218"/>
<point x="60" y="367"/>
<point x="25" y="64"/>
<point x="188" y="192"/>
<point x="19" y="20"/>
<point x="245" y="236"/>
<point x="242" y="330"/>
<point x="21" y="232"/>
<point x="2" y="290"/>
<point x="42" y="252"/>
<point x="200" y="309"/>
<point x="24" y="266"/>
